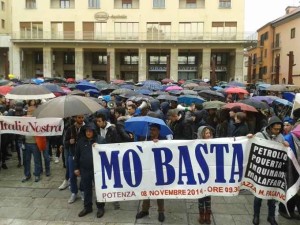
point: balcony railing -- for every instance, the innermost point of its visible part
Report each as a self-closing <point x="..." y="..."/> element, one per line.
<point x="139" y="36"/>
<point x="276" y="45"/>
<point x="224" y="5"/>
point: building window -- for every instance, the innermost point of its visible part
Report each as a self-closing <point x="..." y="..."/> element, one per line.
<point x="94" y="4"/>
<point x="266" y="53"/>
<point x="30" y="4"/>
<point x="3" y="6"/>
<point x="277" y="40"/>
<point x="224" y="4"/>
<point x="31" y="30"/>
<point x="127" y="31"/>
<point x="126" y="4"/>
<point x="221" y="59"/>
<point x="191" y="4"/>
<point x="62" y="30"/>
<point x="130" y="59"/>
<point x="191" y="30"/>
<point x="69" y="58"/>
<point x="38" y="56"/>
<point x="159" y="31"/>
<point x="293" y="33"/>
<point x="187" y="60"/>
<point x="3" y="24"/>
<point x="94" y="30"/>
<point x="158" y="60"/>
<point x="99" y="59"/>
<point x="158" y="4"/>
<point x="263" y="38"/>
<point x="224" y="30"/>
<point x="64" y="4"/>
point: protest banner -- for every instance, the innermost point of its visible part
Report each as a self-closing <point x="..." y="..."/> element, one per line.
<point x="193" y="169"/>
<point x="31" y="126"/>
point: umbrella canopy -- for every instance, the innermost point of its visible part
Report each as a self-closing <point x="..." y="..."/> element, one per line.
<point x="127" y="86"/>
<point x="122" y="91"/>
<point x="67" y="106"/>
<point x="143" y="91"/>
<point x="244" y="107"/>
<point x="152" y="85"/>
<point x="210" y="94"/>
<point x="85" y="86"/>
<point x="167" y="80"/>
<point x="280" y="101"/>
<point x="263" y="86"/>
<point x="236" y="90"/>
<point x="236" y="84"/>
<point x="5" y="82"/>
<point x="101" y="84"/>
<point x="189" y="99"/>
<point x="167" y="98"/>
<point x="174" y="88"/>
<point x="201" y="88"/>
<point x="267" y="98"/>
<point x="53" y="87"/>
<point x="190" y="85"/>
<point x="139" y="98"/>
<point x="255" y="103"/>
<point x="188" y="92"/>
<point x="71" y="80"/>
<point x="140" y="126"/>
<point x="213" y="105"/>
<point x="29" y="91"/>
<point x="117" y="81"/>
<point x="76" y="92"/>
<point x="5" y="89"/>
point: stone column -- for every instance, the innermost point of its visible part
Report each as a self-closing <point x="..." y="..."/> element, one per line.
<point x="47" y="62"/>
<point x="112" y="63"/>
<point x="142" y="64"/>
<point x="79" y="66"/>
<point x="174" y="64"/>
<point x="15" y="62"/>
<point x="239" y="65"/>
<point x="206" y="63"/>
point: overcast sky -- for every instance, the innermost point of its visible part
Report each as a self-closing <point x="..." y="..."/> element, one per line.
<point x="260" y="12"/>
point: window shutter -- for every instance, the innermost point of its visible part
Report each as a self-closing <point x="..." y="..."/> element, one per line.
<point x="217" y="24"/>
<point x="230" y="24"/>
<point x="126" y="1"/>
<point x="88" y="30"/>
<point x="69" y="30"/>
<point x="191" y="1"/>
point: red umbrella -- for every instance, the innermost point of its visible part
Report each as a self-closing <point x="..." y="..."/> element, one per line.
<point x="236" y="90"/>
<point x="174" y="88"/>
<point x="118" y="81"/>
<point x="70" y="80"/>
<point x="243" y="106"/>
<point x="5" y="89"/>
<point x="167" y="80"/>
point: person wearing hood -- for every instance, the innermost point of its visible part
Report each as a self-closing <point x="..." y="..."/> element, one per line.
<point x="293" y="138"/>
<point x="271" y="132"/>
<point x="83" y="167"/>
<point x="204" y="204"/>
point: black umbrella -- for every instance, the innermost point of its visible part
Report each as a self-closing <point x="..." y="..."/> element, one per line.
<point x="212" y="95"/>
<point x="29" y="91"/>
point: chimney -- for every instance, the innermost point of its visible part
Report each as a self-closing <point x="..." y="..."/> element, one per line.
<point x="290" y="9"/>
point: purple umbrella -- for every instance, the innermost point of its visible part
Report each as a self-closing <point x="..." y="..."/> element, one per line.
<point x="174" y="88"/>
<point x="268" y="99"/>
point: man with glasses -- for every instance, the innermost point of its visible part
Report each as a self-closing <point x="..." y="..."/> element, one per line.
<point x="273" y="131"/>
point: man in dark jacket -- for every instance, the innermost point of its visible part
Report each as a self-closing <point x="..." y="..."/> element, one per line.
<point x="84" y="167"/>
<point x="182" y="129"/>
<point x="124" y="136"/>
<point x="271" y="132"/>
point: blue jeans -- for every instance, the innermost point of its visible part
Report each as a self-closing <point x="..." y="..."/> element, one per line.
<point x="73" y="178"/>
<point x="32" y="149"/>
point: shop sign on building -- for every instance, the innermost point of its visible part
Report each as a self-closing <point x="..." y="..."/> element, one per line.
<point x="187" y="68"/>
<point x="104" y="16"/>
<point x="157" y="68"/>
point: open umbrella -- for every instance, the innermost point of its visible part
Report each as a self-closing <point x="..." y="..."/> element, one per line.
<point x="152" y="85"/>
<point x="201" y="88"/>
<point x="85" y="86"/>
<point x="167" y="98"/>
<point x="244" y="107"/>
<point x="67" y="106"/>
<point x="188" y="92"/>
<point x="121" y="91"/>
<point x="280" y="101"/>
<point x="76" y="92"/>
<point x="29" y="91"/>
<point x="166" y="81"/>
<point x="268" y="98"/>
<point x="174" y="88"/>
<point x="213" y="105"/>
<point x="53" y="87"/>
<point x="5" y="89"/>
<point x="236" y="84"/>
<point x="210" y="94"/>
<point x="5" y="82"/>
<point x="236" y="90"/>
<point x="190" y="85"/>
<point x="140" y="126"/>
<point x="189" y="99"/>
<point x="255" y="103"/>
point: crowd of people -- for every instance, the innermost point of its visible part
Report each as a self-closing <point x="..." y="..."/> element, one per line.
<point x="107" y="126"/>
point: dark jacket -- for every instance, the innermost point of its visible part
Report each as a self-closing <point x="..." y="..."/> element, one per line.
<point x="182" y="129"/>
<point x="124" y="136"/>
<point x="73" y="132"/>
<point x="241" y="129"/>
<point x="112" y="135"/>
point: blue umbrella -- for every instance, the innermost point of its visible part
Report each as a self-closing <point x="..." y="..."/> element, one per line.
<point x="53" y="87"/>
<point x="143" y="91"/>
<point x="140" y="126"/>
<point x="282" y="102"/>
<point x="189" y="99"/>
<point x="153" y="85"/>
<point x="290" y="96"/>
<point x="92" y="91"/>
<point x="85" y="86"/>
<point x="263" y="87"/>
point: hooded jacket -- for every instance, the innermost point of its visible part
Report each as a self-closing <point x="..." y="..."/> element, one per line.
<point x="200" y="131"/>
<point x="266" y="133"/>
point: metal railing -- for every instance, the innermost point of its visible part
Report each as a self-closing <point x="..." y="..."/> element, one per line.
<point x="139" y="36"/>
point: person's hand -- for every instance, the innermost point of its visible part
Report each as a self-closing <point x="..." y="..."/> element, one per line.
<point x="286" y="144"/>
<point x="72" y="141"/>
<point x="155" y="140"/>
<point x="131" y="135"/>
<point x="250" y="135"/>
<point x="77" y="173"/>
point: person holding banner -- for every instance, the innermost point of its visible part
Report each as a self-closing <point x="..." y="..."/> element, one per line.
<point x="271" y="132"/>
<point x="154" y="136"/>
<point x="84" y="167"/>
<point x="204" y="204"/>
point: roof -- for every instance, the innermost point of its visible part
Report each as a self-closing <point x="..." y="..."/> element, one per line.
<point x="286" y="17"/>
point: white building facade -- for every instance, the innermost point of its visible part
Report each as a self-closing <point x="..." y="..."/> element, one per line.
<point x="127" y="39"/>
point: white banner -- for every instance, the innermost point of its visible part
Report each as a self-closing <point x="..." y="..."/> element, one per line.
<point x="193" y="169"/>
<point x="31" y="126"/>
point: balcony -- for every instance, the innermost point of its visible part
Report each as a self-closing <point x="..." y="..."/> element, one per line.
<point x="62" y="4"/>
<point x="276" y="46"/>
<point x="167" y="37"/>
<point x="126" y="4"/>
<point x="198" y="4"/>
<point x="257" y="61"/>
<point x="224" y="5"/>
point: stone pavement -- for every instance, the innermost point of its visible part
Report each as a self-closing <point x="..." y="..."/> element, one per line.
<point x="42" y="203"/>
